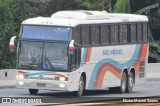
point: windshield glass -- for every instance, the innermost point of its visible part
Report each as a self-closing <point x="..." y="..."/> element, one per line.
<point x="46" y="33"/>
<point x="42" y="55"/>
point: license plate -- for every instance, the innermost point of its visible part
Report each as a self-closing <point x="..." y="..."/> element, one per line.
<point x="41" y="85"/>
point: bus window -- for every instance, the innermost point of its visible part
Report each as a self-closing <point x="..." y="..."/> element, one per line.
<point x="76" y="35"/>
<point x="85" y="36"/>
<point x="145" y="34"/>
<point x="114" y="34"/>
<point x="133" y="33"/>
<point x="76" y="58"/>
<point x="95" y="35"/>
<point x="105" y="38"/>
<point x="40" y="32"/>
<point x="139" y="32"/>
<point x="123" y="33"/>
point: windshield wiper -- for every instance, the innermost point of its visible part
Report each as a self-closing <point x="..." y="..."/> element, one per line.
<point x="38" y="56"/>
<point x="35" y="59"/>
<point x="49" y="63"/>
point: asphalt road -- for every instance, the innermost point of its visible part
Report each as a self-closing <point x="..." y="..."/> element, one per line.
<point x="147" y="89"/>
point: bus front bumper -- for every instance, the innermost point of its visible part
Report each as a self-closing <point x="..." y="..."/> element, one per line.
<point x="43" y="84"/>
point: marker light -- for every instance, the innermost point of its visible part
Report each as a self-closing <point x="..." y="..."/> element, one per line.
<point x="20" y="76"/>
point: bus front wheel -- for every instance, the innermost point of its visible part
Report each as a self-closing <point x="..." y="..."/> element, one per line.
<point x="80" y="87"/>
<point x="33" y="91"/>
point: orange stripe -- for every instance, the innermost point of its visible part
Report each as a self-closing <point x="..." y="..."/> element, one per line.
<point x="88" y="54"/>
<point x="137" y="68"/>
<point x="59" y="75"/>
<point x="142" y="56"/>
<point x="22" y="72"/>
<point x="102" y="74"/>
<point x="144" y="53"/>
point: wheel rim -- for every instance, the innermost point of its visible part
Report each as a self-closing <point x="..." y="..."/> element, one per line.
<point x="81" y="85"/>
<point x="123" y="83"/>
<point x="130" y="82"/>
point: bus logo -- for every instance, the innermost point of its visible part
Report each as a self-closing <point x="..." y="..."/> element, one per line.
<point x="40" y="77"/>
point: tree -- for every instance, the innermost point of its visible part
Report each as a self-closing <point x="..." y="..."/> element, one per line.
<point x="6" y="27"/>
<point x="122" y="6"/>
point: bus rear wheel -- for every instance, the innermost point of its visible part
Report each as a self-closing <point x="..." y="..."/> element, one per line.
<point x="130" y="82"/>
<point x="122" y="87"/>
<point x="33" y="91"/>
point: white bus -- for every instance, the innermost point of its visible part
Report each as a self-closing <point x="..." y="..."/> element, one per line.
<point x="82" y="50"/>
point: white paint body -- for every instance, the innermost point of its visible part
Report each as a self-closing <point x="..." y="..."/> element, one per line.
<point x="103" y="66"/>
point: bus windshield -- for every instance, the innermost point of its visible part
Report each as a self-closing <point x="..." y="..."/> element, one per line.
<point x="46" y="33"/>
<point x="42" y="55"/>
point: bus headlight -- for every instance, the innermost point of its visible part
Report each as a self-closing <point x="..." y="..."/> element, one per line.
<point x="19" y="76"/>
<point x="62" y="79"/>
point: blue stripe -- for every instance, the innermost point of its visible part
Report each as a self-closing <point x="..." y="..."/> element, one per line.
<point x="38" y="73"/>
<point x="115" y="63"/>
<point x="84" y="54"/>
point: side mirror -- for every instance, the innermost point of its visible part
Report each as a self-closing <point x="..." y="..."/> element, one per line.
<point x="11" y="43"/>
<point x="71" y="47"/>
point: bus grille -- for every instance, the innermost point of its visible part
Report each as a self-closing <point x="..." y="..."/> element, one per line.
<point x="39" y="78"/>
<point x="142" y="69"/>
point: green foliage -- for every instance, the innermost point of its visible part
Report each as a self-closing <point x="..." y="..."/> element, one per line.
<point x="153" y="14"/>
<point x="94" y="4"/>
<point x="122" y="6"/>
<point x="6" y="27"/>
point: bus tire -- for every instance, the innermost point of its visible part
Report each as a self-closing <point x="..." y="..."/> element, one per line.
<point x="130" y="83"/>
<point x="123" y="85"/>
<point x="80" y="87"/>
<point x="33" y="91"/>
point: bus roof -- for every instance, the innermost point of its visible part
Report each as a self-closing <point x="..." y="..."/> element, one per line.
<point x="74" y="18"/>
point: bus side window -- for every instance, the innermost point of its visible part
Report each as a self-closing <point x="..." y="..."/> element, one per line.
<point x="133" y="32"/>
<point x="86" y="36"/>
<point x="114" y="34"/>
<point x="105" y="36"/>
<point x="77" y="35"/>
<point x="139" y="32"/>
<point x="123" y="33"/>
<point x="95" y="35"/>
<point x="145" y="32"/>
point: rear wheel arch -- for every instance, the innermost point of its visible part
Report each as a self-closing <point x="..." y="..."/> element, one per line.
<point x="133" y="72"/>
<point x="125" y="70"/>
